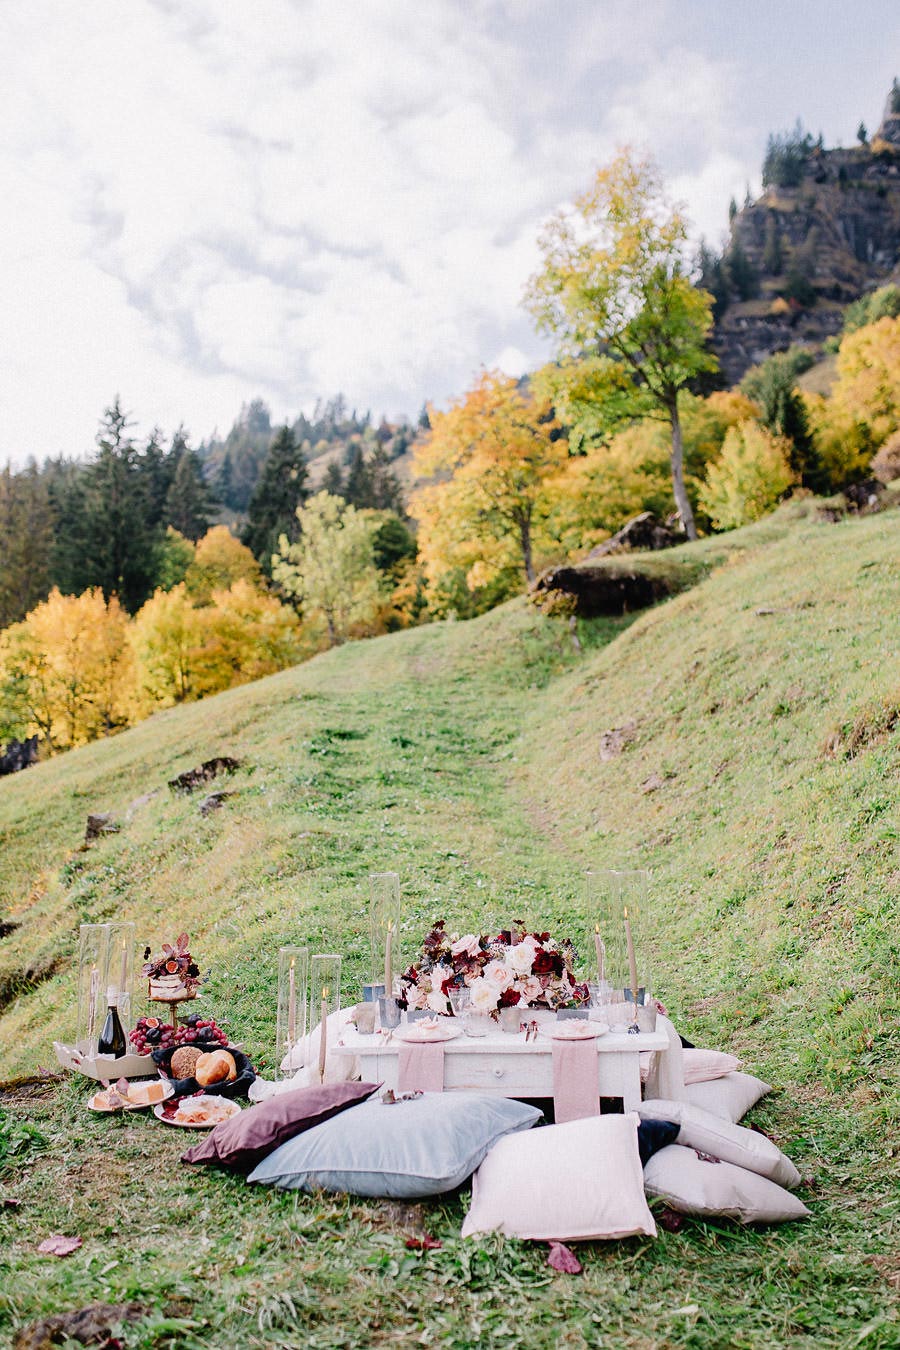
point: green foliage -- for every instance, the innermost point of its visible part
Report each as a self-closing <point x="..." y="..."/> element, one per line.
<point x="393" y="543"/>
<point x="19" y="1141"/>
<point x="614" y="282"/>
<point x="862" y="134"/>
<point x="330" y="570"/>
<point x="749" y="479"/>
<point x="895" y="98"/>
<point x="773" y="255"/>
<point x="773" y="385"/>
<point x="174" y="556"/>
<point x="280" y="490"/>
<point x="26" y="541"/>
<point x="189" y="505"/>
<point x="881" y="304"/>
<point x="742" y="275"/>
<point x="787" y="154"/>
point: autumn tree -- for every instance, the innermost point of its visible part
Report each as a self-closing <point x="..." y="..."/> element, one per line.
<point x="487" y="469"/>
<point x="615" y="286"/>
<point x="219" y="561"/>
<point x="749" y="479"/>
<point x="68" y="664"/>
<point x="331" y="568"/>
<point x="868" y="383"/>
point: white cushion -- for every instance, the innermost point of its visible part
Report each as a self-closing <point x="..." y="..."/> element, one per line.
<point x="729" y="1097"/>
<point x="731" y="1143"/>
<point x="578" y="1180"/>
<point x="702" y="1066"/>
<point x="693" y="1186"/>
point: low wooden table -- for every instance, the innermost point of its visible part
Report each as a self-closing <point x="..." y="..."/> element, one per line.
<point x="508" y="1066"/>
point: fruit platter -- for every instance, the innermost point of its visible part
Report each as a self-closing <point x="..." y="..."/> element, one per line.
<point x="195" y="1056"/>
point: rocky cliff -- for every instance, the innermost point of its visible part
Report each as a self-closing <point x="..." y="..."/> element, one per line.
<point x="807" y="248"/>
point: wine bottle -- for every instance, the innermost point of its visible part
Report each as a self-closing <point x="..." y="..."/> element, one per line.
<point x="112" y="1037"/>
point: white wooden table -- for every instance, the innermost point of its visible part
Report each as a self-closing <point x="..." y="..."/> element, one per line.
<point x="508" y="1066"/>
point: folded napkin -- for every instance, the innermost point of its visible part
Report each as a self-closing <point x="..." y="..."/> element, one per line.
<point x="576" y="1092"/>
<point x="421" y="1067"/>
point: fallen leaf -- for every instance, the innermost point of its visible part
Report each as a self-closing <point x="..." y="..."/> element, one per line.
<point x="426" y="1243"/>
<point x="562" y="1258"/>
<point x="59" y="1245"/>
<point x="9" y="1203"/>
<point x="669" y="1219"/>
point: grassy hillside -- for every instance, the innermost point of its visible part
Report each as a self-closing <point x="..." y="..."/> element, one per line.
<point x="758" y="780"/>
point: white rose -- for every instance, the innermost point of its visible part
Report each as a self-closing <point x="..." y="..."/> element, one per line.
<point x="484" y="996"/>
<point x="528" y="989"/>
<point x="520" y="958"/>
<point x="439" y="975"/>
<point x="468" y="946"/>
<point x="498" y="974"/>
<point x="437" y="1001"/>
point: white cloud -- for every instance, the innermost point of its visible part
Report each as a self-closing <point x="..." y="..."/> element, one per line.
<point x="209" y="200"/>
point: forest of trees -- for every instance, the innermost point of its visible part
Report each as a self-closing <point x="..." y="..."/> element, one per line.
<point x="152" y="572"/>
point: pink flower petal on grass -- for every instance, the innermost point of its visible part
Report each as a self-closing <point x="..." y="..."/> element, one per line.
<point x="562" y="1258"/>
<point x="59" y="1245"/>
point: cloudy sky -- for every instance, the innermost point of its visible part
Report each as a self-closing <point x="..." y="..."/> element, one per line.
<point x="210" y="200"/>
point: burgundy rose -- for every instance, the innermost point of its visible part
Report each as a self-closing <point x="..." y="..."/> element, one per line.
<point x="545" y="964"/>
<point x="509" y="998"/>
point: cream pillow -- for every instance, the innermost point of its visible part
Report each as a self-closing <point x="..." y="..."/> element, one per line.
<point x="729" y="1097"/>
<point x="693" y="1186"/>
<point x="578" y="1180"/>
<point x="702" y="1066"/>
<point x="731" y="1143"/>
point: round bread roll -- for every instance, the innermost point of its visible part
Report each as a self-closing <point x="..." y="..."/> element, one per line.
<point x="184" y="1061"/>
<point x="216" y="1067"/>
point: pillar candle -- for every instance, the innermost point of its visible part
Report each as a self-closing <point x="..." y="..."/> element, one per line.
<point x="323" y="1035"/>
<point x="632" y="963"/>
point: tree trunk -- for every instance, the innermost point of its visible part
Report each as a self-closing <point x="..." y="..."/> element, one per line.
<point x="525" y="544"/>
<point x="681" y="497"/>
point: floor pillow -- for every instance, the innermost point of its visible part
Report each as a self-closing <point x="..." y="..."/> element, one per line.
<point x="410" y="1149"/>
<point x="582" y="1179"/>
<point x="722" y="1139"/>
<point x="694" y="1185"/>
<point x="729" y="1097"/>
<point x="702" y="1066"/>
<point x="244" y="1140"/>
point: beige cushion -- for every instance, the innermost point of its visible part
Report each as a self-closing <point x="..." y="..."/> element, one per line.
<point x="731" y="1143"/>
<point x="729" y="1097"/>
<point x="702" y="1066"/>
<point x="693" y="1186"/>
<point x="578" y="1180"/>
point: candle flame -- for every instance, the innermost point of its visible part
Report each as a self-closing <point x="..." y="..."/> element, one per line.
<point x="596" y="928"/>
<point x="324" y="993"/>
<point x="292" y="962"/>
<point x="626" y="911"/>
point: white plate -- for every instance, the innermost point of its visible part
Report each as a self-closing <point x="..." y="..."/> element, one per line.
<point x="233" y="1109"/>
<point x="573" y="1029"/>
<point x="95" y="1103"/>
<point x="425" y="1033"/>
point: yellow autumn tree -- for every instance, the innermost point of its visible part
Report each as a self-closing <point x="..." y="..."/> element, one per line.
<point x="751" y="476"/>
<point x="868" y="385"/>
<point x="219" y="561"/>
<point x="167" y="640"/>
<point x="68" y="666"/>
<point x="488" y="472"/>
<point x="247" y="633"/>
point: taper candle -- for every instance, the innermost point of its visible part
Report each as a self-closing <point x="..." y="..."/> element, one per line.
<point x="323" y="1035"/>
<point x="601" y="953"/>
<point x="632" y="963"/>
<point x="92" y="1010"/>
<point x="123" y="974"/>
<point x="388" y="942"/>
<point x="292" y="1008"/>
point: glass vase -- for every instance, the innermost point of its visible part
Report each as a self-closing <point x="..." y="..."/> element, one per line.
<point x="293" y="994"/>
<point x="384" y="929"/>
<point x="324" y="999"/>
<point x="617" y="901"/>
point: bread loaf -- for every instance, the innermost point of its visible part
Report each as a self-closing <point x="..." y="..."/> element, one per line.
<point x="184" y="1061"/>
<point x="216" y="1067"/>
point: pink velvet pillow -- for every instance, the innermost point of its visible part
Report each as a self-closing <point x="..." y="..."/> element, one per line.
<point x="244" y="1140"/>
<point x="702" y="1066"/>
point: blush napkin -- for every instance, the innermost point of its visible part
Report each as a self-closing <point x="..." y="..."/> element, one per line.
<point x="421" y="1068"/>
<point x="576" y="1092"/>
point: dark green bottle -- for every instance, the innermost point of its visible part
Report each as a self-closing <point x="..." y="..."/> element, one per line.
<point x="112" y="1038"/>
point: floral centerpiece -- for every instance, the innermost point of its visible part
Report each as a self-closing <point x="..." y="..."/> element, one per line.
<point x="511" y="969"/>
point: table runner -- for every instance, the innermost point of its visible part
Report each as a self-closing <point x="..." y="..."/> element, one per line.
<point x="575" y="1091"/>
<point x="421" y="1068"/>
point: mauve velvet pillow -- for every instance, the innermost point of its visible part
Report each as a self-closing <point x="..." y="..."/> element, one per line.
<point x="244" y="1140"/>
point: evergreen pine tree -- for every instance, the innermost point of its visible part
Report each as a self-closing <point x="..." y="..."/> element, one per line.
<point x="333" y="481"/>
<point x="358" y="488"/>
<point x="281" y="488"/>
<point x="156" y="469"/>
<point x="190" y="506"/>
<point x="773" y="259"/>
<point x="26" y="542"/>
<point x="119" y="547"/>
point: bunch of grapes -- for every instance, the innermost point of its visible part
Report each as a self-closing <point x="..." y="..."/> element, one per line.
<point x="151" y="1033"/>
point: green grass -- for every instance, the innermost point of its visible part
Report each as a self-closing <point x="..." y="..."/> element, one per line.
<point x="465" y="756"/>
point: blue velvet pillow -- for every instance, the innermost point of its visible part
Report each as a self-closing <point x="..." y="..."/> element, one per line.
<point x="407" y="1150"/>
